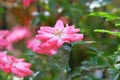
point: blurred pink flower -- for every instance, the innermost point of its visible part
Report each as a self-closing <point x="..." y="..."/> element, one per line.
<point x="21" y="68"/>
<point x="53" y="38"/>
<point x="3" y="41"/>
<point x="5" y="62"/>
<point x="3" y="33"/>
<point x="18" y="33"/>
<point x="16" y="66"/>
<point x="26" y="3"/>
<point x="33" y="44"/>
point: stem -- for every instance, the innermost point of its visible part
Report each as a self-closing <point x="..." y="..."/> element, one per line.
<point x="65" y="61"/>
<point x="69" y="64"/>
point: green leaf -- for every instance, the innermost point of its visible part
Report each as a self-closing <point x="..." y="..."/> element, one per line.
<point x="117" y="23"/>
<point x="117" y="66"/>
<point x="38" y="75"/>
<point x="109" y="32"/>
<point x="112" y="70"/>
<point x="114" y="76"/>
<point x="114" y="73"/>
<point x="83" y="42"/>
<point x="108" y="16"/>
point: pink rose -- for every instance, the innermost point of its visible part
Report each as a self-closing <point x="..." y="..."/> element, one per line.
<point x="53" y="38"/>
<point x="16" y="66"/>
<point x="18" y="33"/>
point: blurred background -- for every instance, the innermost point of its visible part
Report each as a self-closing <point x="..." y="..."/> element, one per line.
<point x="47" y="12"/>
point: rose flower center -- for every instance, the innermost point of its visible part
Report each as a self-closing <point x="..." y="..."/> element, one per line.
<point x="58" y="32"/>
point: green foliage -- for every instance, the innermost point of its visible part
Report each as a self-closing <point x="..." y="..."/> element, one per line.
<point x="82" y="42"/>
<point x="1" y="10"/>
<point x="114" y="67"/>
<point x="108" y="16"/>
<point x="113" y="71"/>
<point x="117" y="23"/>
<point x="109" y="32"/>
